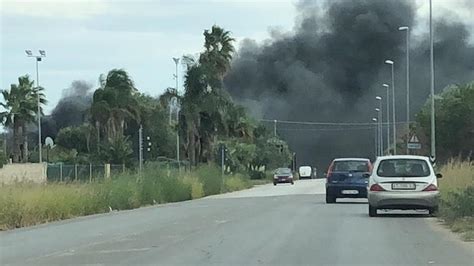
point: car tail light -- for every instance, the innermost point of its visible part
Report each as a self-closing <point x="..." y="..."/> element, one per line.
<point x="328" y="174"/>
<point x="376" y="187"/>
<point x="431" y="187"/>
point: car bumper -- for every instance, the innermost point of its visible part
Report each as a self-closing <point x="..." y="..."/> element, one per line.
<point x="404" y="200"/>
<point x="336" y="190"/>
<point x="283" y="180"/>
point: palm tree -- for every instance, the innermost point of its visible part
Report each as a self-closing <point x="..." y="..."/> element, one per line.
<point x="205" y="103"/>
<point x="218" y="51"/>
<point x="115" y="103"/>
<point x="21" y="105"/>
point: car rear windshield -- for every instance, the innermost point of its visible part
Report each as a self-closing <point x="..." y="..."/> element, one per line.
<point x="283" y="171"/>
<point x="403" y="168"/>
<point x="350" y="166"/>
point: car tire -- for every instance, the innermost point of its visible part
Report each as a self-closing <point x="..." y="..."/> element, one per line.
<point x="433" y="211"/>
<point x="330" y="198"/>
<point x="292" y="182"/>
<point x="372" y="211"/>
<point x="274" y="183"/>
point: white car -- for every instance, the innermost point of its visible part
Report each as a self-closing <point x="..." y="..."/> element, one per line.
<point x="305" y="172"/>
<point x="403" y="182"/>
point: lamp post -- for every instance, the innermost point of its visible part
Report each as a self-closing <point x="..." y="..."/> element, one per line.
<point x="387" y="87"/>
<point x="375" y="137"/>
<point x="433" y="136"/>
<point x="407" y="29"/>
<point x="38" y="58"/>
<point x="379" y="99"/>
<point x="391" y="63"/>
<point x="176" y="61"/>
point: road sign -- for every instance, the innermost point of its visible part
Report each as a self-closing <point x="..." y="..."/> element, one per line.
<point x="414" y="143"/>
<point x="414" y="146"/>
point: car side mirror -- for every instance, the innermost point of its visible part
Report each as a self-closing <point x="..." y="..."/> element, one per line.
<point x="366" y="175"/>
<point x="438" y="175"/>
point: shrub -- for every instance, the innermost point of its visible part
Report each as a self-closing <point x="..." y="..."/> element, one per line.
<point x="210" y="178"/>
<point x="234" y="183"/>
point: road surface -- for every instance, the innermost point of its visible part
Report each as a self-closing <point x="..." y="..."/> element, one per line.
<point x="266" y="225"/>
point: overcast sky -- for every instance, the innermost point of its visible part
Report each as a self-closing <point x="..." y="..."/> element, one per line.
<point x="83" y="38"/>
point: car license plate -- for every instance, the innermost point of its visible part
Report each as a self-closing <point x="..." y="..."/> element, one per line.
<point x="403" y="186"/>
<point x="350" y="192"/>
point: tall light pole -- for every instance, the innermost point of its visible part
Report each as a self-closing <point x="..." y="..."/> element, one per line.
<point x="387" y="87"/>
<point x="375" y="137"/>
<point x="176" y="61"/>
<point x="379" y="99"/>
<point x="433" y="136"/>
<point x="38" y="58"/>
<point x="391" y="63"/>
<point x="407" y="29"/>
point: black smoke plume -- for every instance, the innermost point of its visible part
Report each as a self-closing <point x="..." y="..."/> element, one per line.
<point x="332" y="66"/>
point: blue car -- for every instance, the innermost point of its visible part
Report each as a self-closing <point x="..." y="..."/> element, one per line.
<point x="347" y="178"/>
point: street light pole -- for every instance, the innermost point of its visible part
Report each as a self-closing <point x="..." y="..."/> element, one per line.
<point x="387" y="87"/>
<point x="378" y="130"/>
<point x="176" y="61"/>
<point x="391" y="63"/>
<point x="407" y="29"/>
<point x="375" y="138"/>
<point x="433" y="136"/>
<point x="38" y="58"/>
<point x="378" y="98"/>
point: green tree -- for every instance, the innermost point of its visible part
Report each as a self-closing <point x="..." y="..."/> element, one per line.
<point x="76" y="137"/>
<point x="454" y="122"/>
<point x="114" y="104"/>
<point x="117" y="151"/>
<point x="21" y="105"/>
<point x="205" y="102"/>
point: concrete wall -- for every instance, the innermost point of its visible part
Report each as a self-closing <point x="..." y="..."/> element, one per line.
<point x="24" y="172"/>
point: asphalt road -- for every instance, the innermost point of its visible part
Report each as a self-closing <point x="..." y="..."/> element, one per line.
<point x="266" y="225"/>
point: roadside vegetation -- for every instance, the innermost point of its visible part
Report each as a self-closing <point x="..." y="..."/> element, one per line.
<point x="30" y="204"/>
<point x="457" y="197"/>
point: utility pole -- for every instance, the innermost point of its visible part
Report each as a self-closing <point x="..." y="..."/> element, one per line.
<point x="140" y="149"/>
<point x="38" y="58"/>
<point x="407" y="29"/>
<point x="222" y="158"/>
<point x="375" y="136"/>
<point x="433" y="136"/>
<point x="176" y="61"/>
<point x="275" y="128"/>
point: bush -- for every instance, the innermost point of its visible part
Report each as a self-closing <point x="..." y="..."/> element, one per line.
<point x="458" y="204"/>
<point x="257" y="174"/>
<point x="234" y="183"/>
<point x="211" y="179"/>
<point x="30" y="204"/>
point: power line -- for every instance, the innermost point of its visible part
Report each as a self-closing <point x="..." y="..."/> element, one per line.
<point x="328" y="123"/>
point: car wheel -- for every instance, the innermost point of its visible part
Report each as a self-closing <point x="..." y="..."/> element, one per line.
<point x="433" y="211"/>
<point x="372" y="211"/>
<point x="292" y="182"/>
<point x="274" y="183"/>
<point x="330" y="198"/>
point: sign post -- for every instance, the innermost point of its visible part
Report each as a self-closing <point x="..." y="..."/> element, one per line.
<point x="414" y="143"/>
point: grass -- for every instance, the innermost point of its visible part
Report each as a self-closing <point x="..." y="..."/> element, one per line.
<point x="457" y="197"/>
<point x="30" y="204"/>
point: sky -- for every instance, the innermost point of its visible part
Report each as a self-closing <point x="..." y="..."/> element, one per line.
<point x="84" y="39"/>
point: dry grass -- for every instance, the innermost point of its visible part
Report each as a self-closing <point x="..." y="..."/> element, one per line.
<point x="457" y="197"/>
<point x="29" y="204"/>
<point x="456" y="175"/>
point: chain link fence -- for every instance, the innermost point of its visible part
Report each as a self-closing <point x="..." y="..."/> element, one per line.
<point x="82" y="172"/>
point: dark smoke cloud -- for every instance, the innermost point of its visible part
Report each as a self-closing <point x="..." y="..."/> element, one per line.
<point x="72" y="109"/>
<point x="332" y="66"/>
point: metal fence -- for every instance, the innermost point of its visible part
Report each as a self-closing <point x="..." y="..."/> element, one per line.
<point x="82" y="172"/>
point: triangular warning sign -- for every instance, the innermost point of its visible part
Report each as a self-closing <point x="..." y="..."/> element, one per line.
<point x="414" y="139"/>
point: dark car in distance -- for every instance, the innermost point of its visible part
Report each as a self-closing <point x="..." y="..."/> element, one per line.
<point x="283" y="175"/>
<point x="347" y="178"/>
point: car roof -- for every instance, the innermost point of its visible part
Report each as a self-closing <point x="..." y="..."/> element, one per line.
<point x="403" y="157"/>
<point x="351" y="159"/>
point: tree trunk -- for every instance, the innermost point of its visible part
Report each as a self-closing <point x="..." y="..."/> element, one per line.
<point x="17" y="133"/>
